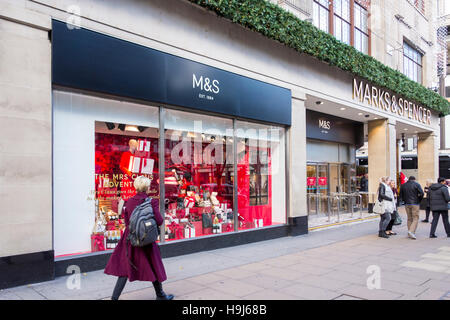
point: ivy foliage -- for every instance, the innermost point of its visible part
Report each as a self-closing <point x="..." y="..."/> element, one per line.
<point x="275" y="23"/>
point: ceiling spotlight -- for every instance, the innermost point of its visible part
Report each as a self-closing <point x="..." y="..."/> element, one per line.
<point x="319" y="102"/>
<point x="406" y="129"/>
<point x="142" y="128"/>
<point x="110" y="125"/>
<point x="121" y="127"/>
<point x="131" y="128"/>
<point x="375" y="118"/>
<point x="360" y="114"/>
<point x="367" y="116"/>
<point x="342" y="109"/>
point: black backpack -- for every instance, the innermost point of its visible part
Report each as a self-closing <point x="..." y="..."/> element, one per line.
<point x="143" y="229"/>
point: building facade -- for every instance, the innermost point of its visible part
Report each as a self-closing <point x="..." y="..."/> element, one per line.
<point x="235" y="130"/>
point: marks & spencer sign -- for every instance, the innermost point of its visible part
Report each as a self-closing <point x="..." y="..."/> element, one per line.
<point x="88" y="60"/>
<point x="330" y="128"/>
<point x="385" y="101"/>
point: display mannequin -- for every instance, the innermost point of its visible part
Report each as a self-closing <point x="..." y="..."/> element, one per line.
<point x="127" y="190"/>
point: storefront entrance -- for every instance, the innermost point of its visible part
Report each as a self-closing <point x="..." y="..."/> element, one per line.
<point x="329" y="188"/>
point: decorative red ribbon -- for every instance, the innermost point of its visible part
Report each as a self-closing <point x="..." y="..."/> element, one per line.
<point x="99" y="243"/>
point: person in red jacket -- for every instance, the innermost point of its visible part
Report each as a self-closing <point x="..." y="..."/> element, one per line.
<point x="138" y="263"/>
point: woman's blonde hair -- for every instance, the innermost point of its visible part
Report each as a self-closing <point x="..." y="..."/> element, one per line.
<point x="142" y="184"/>
<point x="385" y="179"/>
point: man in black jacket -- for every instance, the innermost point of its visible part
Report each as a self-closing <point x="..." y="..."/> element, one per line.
<point x="411" y="194"/>
<point x="364" y="187"/>
<point x="439" y="198"/>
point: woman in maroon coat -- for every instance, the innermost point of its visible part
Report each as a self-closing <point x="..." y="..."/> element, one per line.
<point x="141" y="263"/>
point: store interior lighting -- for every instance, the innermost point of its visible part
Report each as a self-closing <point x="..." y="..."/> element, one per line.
<point x="110" y="125"/>
<point x="142" y="128"/>
<point x="131" y="128"/>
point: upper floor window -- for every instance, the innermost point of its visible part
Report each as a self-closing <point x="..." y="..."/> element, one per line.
<point x="361" y="29"/>
<point x="321" y="14"/>
<point x="342" y="22"/>
<point x="412" y="63"/>
<point x="347" y="20"/>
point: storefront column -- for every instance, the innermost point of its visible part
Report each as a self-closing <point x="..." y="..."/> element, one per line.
<point x="399" y="162"/>
<point x="296" y="164"/>
<point x="382" y="152"/>
<point x="427" y="157"/>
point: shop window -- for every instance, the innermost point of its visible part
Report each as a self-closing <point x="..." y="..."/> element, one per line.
<point x="122" y="153"/>
<point x="199" y="175"/>
<point x="100" y="147"/>
<point x="261" y="175"/>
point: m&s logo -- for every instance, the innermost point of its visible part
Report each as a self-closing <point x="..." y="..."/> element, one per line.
<point x="205" y="84"/>
<point x="324" y="124"/>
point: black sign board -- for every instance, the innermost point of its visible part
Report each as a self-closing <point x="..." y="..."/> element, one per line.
<point x="326" y="127"/>
<point x="88" y="60"/>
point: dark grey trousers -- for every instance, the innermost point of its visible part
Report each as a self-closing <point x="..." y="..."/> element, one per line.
<point x="384" y="221"/>
<point x="435" y="221"/>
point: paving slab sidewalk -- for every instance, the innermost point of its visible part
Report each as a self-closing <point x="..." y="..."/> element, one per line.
<point x="327" y="264"/>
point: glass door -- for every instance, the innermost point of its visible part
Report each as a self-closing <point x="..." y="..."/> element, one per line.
<point x="322" y="188"/>
<point x="334" y="187"/>
<point x="345" y="187"/>
<point x="311" y="187"/>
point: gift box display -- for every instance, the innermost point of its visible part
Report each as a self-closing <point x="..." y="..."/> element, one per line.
<point x="97" y="242"/>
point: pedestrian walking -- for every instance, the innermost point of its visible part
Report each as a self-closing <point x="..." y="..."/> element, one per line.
<point x="411" y="194"/>
<point x="385" y="196"/>
<point x="439" y="206"/>
<point x="389" y="231"/>
<point x="427" y="196"/>
<point x="138" y="263"/>
<point x="364" y="188"/>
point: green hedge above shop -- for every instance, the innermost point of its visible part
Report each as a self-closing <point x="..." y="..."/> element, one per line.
<point x="276" y="23"/>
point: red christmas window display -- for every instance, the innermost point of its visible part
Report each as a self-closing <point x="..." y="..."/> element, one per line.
<point x="253" y="216"/>
<point x="113" y="158"/>
<point x="205" y="178"/>
<point x="112" y="182"/>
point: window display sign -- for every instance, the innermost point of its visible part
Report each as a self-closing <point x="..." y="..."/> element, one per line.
<point x="311" y="181"/>
<point x="323" y="181"/>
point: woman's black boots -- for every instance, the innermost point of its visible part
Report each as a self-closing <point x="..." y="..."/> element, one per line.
<point x="120" y="284"/>
<point x="383" y="234"/>
<point x="160" y="294"/>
